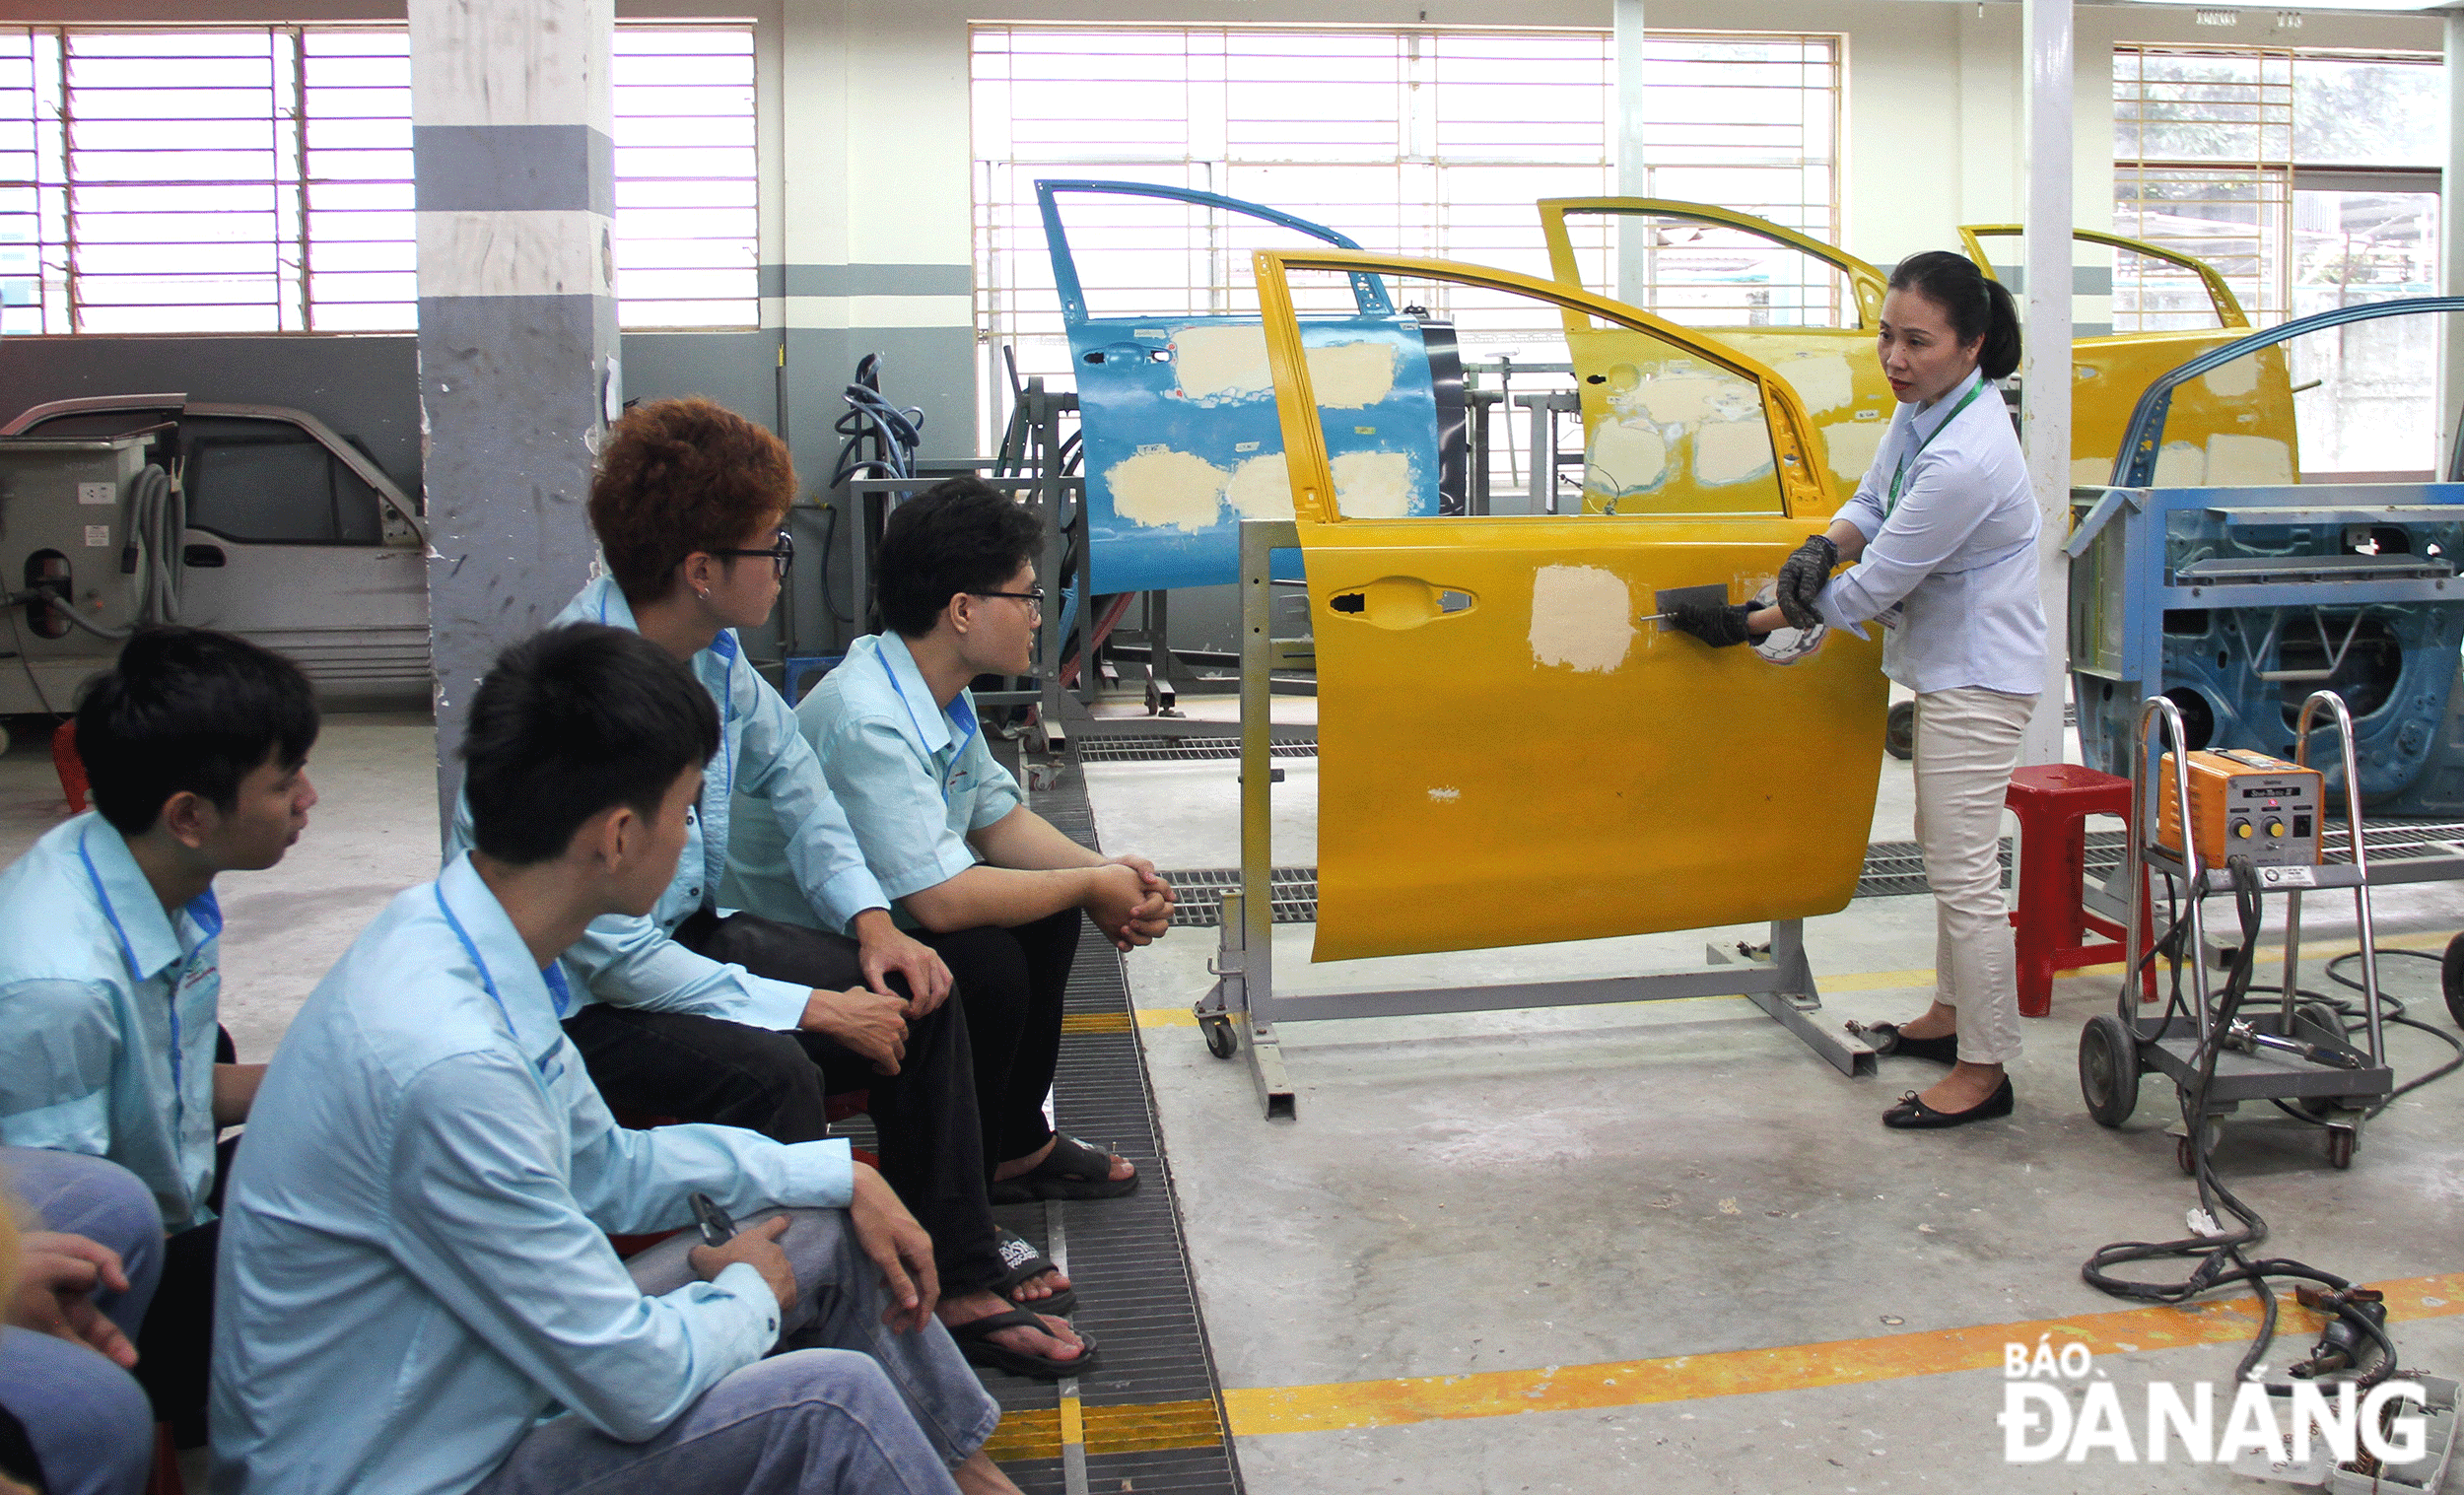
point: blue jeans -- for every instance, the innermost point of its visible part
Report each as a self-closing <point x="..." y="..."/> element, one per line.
<point x="80" y="1196"/>
<point x="86" y="1417"/>
<point x="852" y="1409"/>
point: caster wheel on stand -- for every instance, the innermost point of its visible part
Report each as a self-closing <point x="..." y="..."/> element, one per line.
<point x="1899" y="733"/>
<point x="1221" y="1040"/>
<point x="2186" y="1148"/>
<point x="2340" y="1142"/>
<point x="2108" y="1069"/>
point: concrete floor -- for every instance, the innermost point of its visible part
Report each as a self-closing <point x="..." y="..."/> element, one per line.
<point x="1442" y="1275"/>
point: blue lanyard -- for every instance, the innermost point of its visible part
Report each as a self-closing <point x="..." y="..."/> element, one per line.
<point x="137" y="978"/>
<point x="554" y="977"/>
<point x="1896" y="477"/>
<point x="957" y="748"/>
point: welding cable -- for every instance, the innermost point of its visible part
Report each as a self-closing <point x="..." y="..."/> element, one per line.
<point x="2391" y="1010"/>
<point x="17" y="629"/>
<point x="2221" y="1258"/>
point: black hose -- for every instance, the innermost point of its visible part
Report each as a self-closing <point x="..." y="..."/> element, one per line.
<point x="2221" y="1258"/>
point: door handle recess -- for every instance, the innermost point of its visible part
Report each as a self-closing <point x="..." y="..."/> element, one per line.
<point x="1401" y="603"/>
<point x="203" y="557"/>
<point x="1131" y="353"/>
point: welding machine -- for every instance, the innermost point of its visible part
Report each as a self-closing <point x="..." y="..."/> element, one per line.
<point x="2244" y="806"/>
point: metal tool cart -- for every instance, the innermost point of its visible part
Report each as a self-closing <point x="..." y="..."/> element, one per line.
<point x="2294" y="1051"/>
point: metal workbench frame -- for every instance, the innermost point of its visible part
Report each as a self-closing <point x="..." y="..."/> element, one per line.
<point x="1244" y="1000"/>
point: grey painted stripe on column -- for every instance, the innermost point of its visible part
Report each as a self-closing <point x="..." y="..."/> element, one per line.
<point x="868" y="280"/>
<point x="2086" y="280"/>
<point x="513" y="167"/>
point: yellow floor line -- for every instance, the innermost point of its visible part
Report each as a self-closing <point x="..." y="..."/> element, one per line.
<point x="1036" y="1433"/>
<point x="1896" y="980"/>
<point x="1255" y="1411"/>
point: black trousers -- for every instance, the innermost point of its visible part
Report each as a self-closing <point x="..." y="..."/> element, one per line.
<point x="175" y="1344"/>
<point x="709" y="1070"/>
<point x="1011" y="981"/>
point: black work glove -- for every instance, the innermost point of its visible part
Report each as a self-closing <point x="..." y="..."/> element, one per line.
<point x="1718" y="624"/>
<point x="1801" y="578"/>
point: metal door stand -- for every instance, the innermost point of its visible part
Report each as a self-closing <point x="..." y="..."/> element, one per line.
<point x="1239" y="1013"/>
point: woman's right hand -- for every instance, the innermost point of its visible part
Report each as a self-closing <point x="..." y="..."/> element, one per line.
<point x="1802" y="579"/>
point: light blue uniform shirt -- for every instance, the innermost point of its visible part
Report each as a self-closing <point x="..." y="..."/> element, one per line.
<point x="107" y="1012"/>
<point x="916" y="779"/>
<point x="1952" y="565"/>
<point x="412" y="1270"/>
<point x="762" y="760"/>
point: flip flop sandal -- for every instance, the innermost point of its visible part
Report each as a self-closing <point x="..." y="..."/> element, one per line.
<point x="1022" y="1263"/>
<point x="976" y="1342"/>
<point x="1072" y="1170"/>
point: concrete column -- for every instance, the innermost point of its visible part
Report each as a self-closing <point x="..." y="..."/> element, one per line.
<point x="2045" y="428"/>
<point x="2451" y="244"/>
<point x="512" y="142"/>
<point x="1633" y="177"/>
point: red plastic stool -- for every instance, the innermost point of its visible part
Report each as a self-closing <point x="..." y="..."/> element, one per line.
<point x="2053" y="802"/>
<point x="162" y="1477"/>
<point x="70" y="766"/>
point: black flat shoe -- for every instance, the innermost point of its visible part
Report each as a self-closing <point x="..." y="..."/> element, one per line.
<point x="1913" y="1115"/>
<point x="1886" y="1038"/>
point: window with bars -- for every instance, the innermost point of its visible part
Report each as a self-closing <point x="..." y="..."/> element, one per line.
<point x="2303" y="176"/>
<point x="1424" y="142"/>
<point x="258" y="179"/>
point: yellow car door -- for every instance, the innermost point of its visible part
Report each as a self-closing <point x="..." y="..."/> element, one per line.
<point x="1507" y="752"/>
<point x="2232" y="429"/>
<point x="1824" y="350"/>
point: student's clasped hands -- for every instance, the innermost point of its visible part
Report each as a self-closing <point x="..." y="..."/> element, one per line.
<point x="1134" y="910"/>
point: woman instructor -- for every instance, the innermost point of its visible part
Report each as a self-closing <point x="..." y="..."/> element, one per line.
<point x="1943" y="534"/>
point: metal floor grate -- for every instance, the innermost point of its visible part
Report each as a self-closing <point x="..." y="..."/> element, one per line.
<point x="1178" y="749"/>
<point x="1152" y="1413"/>
<point x="1893" y="869"/>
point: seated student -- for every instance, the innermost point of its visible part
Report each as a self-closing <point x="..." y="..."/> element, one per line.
<point x="692" y="1014"/>
<point x="992" y="884"/>
<point x="72" y="1420"/>
<point x="414" y="1274"/>
<point x="195" y="746"/>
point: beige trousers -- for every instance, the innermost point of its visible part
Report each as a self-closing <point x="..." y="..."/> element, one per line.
<point x="1967" y="742"/>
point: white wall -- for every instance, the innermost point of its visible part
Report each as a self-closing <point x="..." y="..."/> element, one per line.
<point x="1933" y="105"/>
<point x="867" y="186"/>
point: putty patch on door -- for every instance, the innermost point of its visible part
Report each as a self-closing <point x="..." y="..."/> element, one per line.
<point x="1582" y="617"/>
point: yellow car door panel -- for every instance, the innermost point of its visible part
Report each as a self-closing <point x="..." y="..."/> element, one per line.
<point x="1538" y="764"/>
<point x="1508" y="753"/>
<point x="2236" y="428"/>
<point x="2233" y="428"/>
<point x="1831" y="369"/>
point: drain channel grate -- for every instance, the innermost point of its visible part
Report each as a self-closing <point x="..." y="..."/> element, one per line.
<point x="1178" y="749"/>
<point x="1893" y="869"/>
<point x="1151" y="1412"/>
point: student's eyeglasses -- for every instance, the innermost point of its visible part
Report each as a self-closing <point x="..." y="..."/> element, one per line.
<point x="1033" y="596"/>
<point x="781" y="555"/>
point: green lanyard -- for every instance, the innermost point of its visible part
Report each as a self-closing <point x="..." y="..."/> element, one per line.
<point x="1901" y="473"/>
